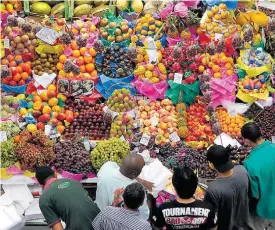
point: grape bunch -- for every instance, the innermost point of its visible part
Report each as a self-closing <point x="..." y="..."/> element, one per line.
<point x="266" y="122"/>
<point x="9" y="104"/>
<point x="34" y="150"/>
<point x="8" y="155"/>
<point x="238" y="154"/>
<point x="113" y="149"/>
<point x="72" y="157"/>
<point x="10" y="128"/>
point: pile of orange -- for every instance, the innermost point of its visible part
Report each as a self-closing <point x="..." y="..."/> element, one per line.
<point x="218" y="63"/>
<point x="230" y="125"/>
<point x="83" y="57"/>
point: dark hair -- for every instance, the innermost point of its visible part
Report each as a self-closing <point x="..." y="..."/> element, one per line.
<point x="251" y="131"/>
<point x="185" y="182"/>
<point x="133" y="195"/>
<point x="43" y="173"/>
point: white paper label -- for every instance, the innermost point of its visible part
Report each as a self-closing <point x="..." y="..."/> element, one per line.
<point x="87" y="145"/>
<point x="93" y="144"/>
<point x="122" y="138"/>
<point x="6" y="43"/>
<point x="145" y="139"/>
<point x="232" y="112"/>
<point x="48" y="129"/>
<point x="52" y="136"/>
<point x="154" y="121"/>
<point x="178" y="78"/>
<point x="174" y="137"/>
<point x="47" y="35"/>
<point x="3" y="136"/>
<point x="273" y="139"/>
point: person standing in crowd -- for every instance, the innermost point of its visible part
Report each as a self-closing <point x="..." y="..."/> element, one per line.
<point x="112" y="177"/>
<point x="126" y="217"/>
<point x="261" y="168"/>
<point x="229" y="192"/>
<point x="185" y="212"/>
<point x="66" y="200"/>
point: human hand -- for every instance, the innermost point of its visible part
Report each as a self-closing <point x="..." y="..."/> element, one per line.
<point x="117" y="196"/>
<point x="147" y="184"/>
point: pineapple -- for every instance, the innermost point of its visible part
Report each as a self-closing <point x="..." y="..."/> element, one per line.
<point x="172" y="31"/>
<point x="192" y="19"/>
<point x="181" y="122"/>
<point x="185" y="34"/>
<point x="183" y="132"/>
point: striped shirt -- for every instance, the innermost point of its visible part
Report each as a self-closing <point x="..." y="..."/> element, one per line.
<point x="113" y="218"/>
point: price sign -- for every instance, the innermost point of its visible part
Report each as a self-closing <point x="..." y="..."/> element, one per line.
<point x="122" y="138"/>
<point x="87" y="145"/>
<point x="145" y="139"/>
<point x="3" y="136"/>
<point x="174" y="137"/>
<point x="47" y="35"/>
<point x="154" y="121"/>
<point x="6" y="43"/>
<point x="178" y="78"/>
<point x="273" y="139"/>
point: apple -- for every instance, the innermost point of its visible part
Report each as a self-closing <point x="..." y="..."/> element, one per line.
<point x="60" y="22"/>
<point x="125" y="28"/>
<point x="119" y="38"/>
<point x="103" y="22"/>
<point x="117" y="31"/>
<point x="112" y="24"/>
<point x="126" y="36"/>
<point x="111" y="38"/>
<point x="105" y="35"/>
<point x="40" y="126"/>
<point x="51" y="93"/>
<point x="124" y="23"/>
<point x="61" y="117"/>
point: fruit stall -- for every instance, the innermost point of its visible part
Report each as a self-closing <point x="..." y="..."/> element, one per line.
<point x="86" y="82"/>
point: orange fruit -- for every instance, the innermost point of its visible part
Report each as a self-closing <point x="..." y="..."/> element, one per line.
<point x="44" y="96"/>
<point x="52" y="87"/>
<point x="4" y="62"/>
<point x="61" y="73"/>
<point x="18" y="58"/>
<point x="217" y="75"/>
<point x="229" y="72"/>
<point x="19" y="69"/>
<point x="36" y="98"/>
<point x="62" y="58"/>
<point x="10" y="58"/>
<point x="82" y="69"/>
<point x="24" y="76"/>
<point x="74" y="45"/>
<point x="83" y="50"/>
<point x="46" y="110"/>
<point x="53" y="101"/>
<point x="228" y="65"/>
<point x="201" y="69"/>
<point x="59" y="66"/>
<point x="92" y="52"/>
<point x="88" y="59"/>
<point x="80" y="61"/>
<point x="60" y="128"/>
<point x="37" y="105"/>
<point x="90" y="67"/>
<point x="12" y="64"/>
<point x="210" y="64"/>
<point x="16" y="77"/>
<point x="16" y="139"/>
<point x="215" y="68"/>
<point x="76" y="53"/>
<point x="94" y="73"/>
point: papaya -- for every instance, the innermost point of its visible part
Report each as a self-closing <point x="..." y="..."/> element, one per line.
<point x="41" y="8"/>
<point x="137" y="5"/>
<point x="81" y="10"/>
<point x="81" y="2"/>
<point x="58" y="9"/>
<point x="259" y="18"/>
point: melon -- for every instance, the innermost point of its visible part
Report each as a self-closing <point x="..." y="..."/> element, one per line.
<point x="81" y="2"/>
<point x="41" y="8"/>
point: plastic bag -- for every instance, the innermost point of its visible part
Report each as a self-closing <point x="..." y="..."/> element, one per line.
<point x="14" y="89"/>
<point x="234" y="108"/>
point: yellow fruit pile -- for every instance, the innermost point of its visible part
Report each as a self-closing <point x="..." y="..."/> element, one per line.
<point x="230" y="125"/>
<point x="218" y="63"/>
<point x="153" y="73"/>
<point x="143" y="55"/>
<point x="219" y="21"/>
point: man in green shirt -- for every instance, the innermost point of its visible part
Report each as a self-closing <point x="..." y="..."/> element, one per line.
<point x="261" y="168"/>
<point x="66" y="200"/>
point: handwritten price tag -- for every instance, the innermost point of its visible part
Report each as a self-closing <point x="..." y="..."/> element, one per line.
<point x="154" y="121"/>
<point x="3" y="136"/>
<point x="122" y="138"/>
<point x="273" y="139"/>
<point x="178" y="78"/>
<point x="47" y="35"/>
<point x="6" y="43"/>
<point x="174" y="137"/>
<point x="145" y="139"/>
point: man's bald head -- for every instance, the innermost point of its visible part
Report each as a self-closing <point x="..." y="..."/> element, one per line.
<point x="132" y="165"/>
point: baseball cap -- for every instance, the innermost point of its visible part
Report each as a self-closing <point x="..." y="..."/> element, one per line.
<point x="219" y="157"/>
<point x="42" y="173"/>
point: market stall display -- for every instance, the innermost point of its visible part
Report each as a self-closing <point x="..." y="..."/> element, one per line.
<point x="90" y="82"/>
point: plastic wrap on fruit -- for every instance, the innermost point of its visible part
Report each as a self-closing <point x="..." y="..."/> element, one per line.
<point x="180" y="9"/>
<point x="166" y="11"/>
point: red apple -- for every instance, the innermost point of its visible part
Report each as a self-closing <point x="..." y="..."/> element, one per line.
<point x="51" y="93"/>
<point x="61" y="116"/>
<point x="125" y="28"/>
<point x="40" y="126"/>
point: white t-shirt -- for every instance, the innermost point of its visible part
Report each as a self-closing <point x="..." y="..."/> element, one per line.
<point x="111" y="179"/>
